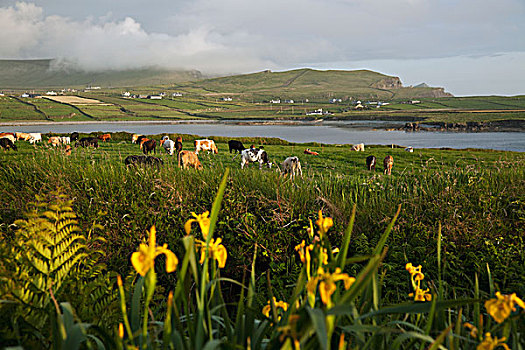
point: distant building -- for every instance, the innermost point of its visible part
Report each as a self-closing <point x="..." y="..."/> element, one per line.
<point x="275" y="101"/>
<point x="154" y="97"/>
<point x="163" y="94"/>
<point x="226" y="99"/>
<point x="126" y="94"/>
<point x="335" y="100"/>
<point x="288" y="101"/>
<point x="316" y="112"/>
<point x="25" y="94"/>
<point x="413" y="102"/>
<point x="51" y="93"/>
<point x="177" y="94"/>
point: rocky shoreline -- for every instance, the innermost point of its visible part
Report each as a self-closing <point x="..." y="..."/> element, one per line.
<point x="499" y="125"/>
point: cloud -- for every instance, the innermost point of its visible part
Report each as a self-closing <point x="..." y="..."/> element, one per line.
<point x="230" y="36"/>
<point x="115" y="44"/>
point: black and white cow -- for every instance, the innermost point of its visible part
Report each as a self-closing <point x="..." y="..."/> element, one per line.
<point x="252" y="155"/>
<point x="371" y="163"/>
<point x="292" y="165"/>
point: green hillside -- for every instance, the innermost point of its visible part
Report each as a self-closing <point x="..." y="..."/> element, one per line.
<point x="312" y="84"/>
<point x="27" y="74"/>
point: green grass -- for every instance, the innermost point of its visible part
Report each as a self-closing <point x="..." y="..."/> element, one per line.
<point x="12" y="109"/>
<point x="476" y="195"/>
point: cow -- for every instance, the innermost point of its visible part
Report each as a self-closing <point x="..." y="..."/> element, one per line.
<point x="104" y="137"/>
<point x="168" y="145"/>
<point x="388" y="162"/>
<point x="35" y="137"/>
<point x="178" y="144"/>
<point x="6" y="144"/>
<point x="66" y="140"/>
<point x="74" y="136"/>
<point x="371" y="163"/>
<point x="358" y="147"/>
<point x="146" y="160"/>
<point x="55" y="141"/>
<point x="291" y="165"/>
<point x="67" y="150"/>
<point x="409" y="149"/>
<point x="235" y="146"/>
<point x="87" y="142"/>
<point x="205" y="145"/>
<point x="252" y="155"/>
<point x="135" y="137"/>
<point x="23" y="136"/>
<point x="148" y="146"/>
<point x="312" y="153"/>
<point x="189" y="159"/>
<point x="9" y="136"/>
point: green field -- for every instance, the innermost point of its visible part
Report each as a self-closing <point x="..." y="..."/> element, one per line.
<point x="476" y="196"/>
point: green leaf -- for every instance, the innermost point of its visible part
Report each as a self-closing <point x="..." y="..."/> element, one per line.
<point x="318" y="320"/>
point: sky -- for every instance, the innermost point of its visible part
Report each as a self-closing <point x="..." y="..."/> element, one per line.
<point x="469" y="47"/>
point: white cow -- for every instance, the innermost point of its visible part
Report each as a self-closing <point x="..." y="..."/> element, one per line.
<point x="35" y="137"/>
<point x="252" y="155"/>
<point x="291" y="165"/>
<point x="409" y="149"/>
<point x="358" y="147"/>
<point x="168" y="145"/>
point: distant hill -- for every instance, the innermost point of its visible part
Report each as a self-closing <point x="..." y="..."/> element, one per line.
<point x="28" y="74"/>
<point x="295" y="84"/>
<point x="314" y="84"/>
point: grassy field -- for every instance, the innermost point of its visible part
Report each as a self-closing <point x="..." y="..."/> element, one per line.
<point x="478" y="198"/>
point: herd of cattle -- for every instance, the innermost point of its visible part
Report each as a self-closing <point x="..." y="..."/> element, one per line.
<point x="185" y="158"/>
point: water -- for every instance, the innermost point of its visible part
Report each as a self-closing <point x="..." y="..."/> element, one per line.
<point x="329" y="132"/>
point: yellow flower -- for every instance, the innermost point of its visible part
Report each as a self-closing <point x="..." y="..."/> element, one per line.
<point x="215" y="250"/>
<point x="473" y="329"/>
<point x="416" y="276"/>
<point x="490" y="343"/>
<point x="278" y="304"/>
<point x="327" y="286"/>
<point x="324" y="224"/>
<point x="421" y="295"/>
<point x="204" y="223"/>
<point x="121" y="330"/>
<point x="144" y="259"/>
<point x="501" y="307"/>
<point x="304" y="251"/>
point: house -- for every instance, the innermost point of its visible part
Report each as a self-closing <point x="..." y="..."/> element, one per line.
<point x="51" y="93"/>
<point x="226" y="99"/>
<point x="316" y="112"/>
<point x="413" y="102"/>
<point x="126" y="94"/>
<point x="177" y="94"/>
<point x="163" y="94"/>
<point x="25" y="94"/>
<point x="154" y="97"/>
<point x="275" y="101"/>
<point x="335" y="100"/>
<point x="359" y="106"/>
<point x="288" y="101"/>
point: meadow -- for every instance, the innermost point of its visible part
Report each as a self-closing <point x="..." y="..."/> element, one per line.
<point x="462" y="218"/>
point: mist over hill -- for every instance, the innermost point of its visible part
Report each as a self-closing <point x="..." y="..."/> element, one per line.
<point x="48" y="73"/>
<point x="298" y="83"/>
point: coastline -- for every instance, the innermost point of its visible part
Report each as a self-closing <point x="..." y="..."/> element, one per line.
<point x="395" y="125"/>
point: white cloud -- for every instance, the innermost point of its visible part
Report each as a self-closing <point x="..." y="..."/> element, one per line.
<point x="230" y="36"/>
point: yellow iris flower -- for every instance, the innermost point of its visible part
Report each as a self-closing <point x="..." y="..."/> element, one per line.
<point x="326" y="282"/>
<point x="278" y="304"/>
<point x="215" y="250"/>
<point x="144" y="259"/>
<point x="203" y="220"/>
<point x="416" y="277"/>
<point x="501" y="307"/>
<point x="324" y="224"/>
<point x="490" y="343"/>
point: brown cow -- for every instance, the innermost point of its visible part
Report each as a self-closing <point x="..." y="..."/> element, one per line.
<point x="104" y="137"/>
<point x="388" y="162"/>
<point x="23" y="136"/>
<point x="189" y="159"/>
<point x="148" y="146"/>
<point x="312" y="153"/>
